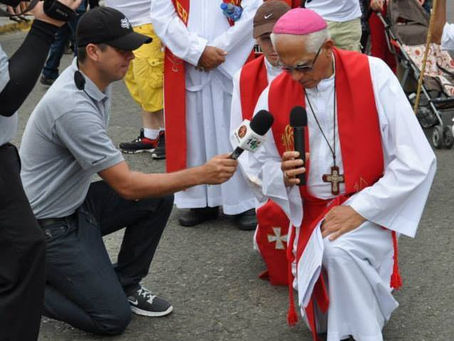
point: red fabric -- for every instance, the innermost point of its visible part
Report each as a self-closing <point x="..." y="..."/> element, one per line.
<point x="379" y="47"/>
<point x="359" y="136"/>
<point x="175" y="98"/>
<point x="253" y="80"/>
<point x="175" y="110"/>
<point x="396" y="280"/>
<point x="272" y="230"/>
<point x="293" y="3"/>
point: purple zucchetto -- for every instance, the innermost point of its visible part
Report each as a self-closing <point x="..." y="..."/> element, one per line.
<point x="299" y="21"/>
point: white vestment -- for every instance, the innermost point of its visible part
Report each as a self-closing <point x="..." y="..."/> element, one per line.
<point x="447" y="38"/>
<point x="359" y="263"/>
<point x="208" y="94"/>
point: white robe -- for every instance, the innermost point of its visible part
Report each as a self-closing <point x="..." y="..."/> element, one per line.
<point x="236" y="115"/>
<point x="208" y="94"/>
<point x="359" y="263"/>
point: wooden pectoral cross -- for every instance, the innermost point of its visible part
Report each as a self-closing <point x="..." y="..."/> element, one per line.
<point x="335" y="178"/>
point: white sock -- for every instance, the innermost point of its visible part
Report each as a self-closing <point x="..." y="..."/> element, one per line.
<point x="162" y="129"/>
<point x="150" y="133"/>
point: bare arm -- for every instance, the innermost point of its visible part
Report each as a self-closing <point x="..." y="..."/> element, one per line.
<point x="439" y="21"/>
<point x="136" y="185"/>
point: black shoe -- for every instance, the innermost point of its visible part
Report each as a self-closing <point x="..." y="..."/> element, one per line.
<point x="160" y="150"/>
<point x="139" y="145"/>
<point x="144" y="303"/>
<point x="46" y="81"/>
<point x="196" y="216"/>
<point x="247" y="220"/>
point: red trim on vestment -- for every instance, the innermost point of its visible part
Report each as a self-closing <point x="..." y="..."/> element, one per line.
<point x="175" y="100"/>
<point x="253" y="80"/>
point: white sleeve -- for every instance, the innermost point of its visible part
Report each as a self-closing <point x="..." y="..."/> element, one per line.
<point x="238" y="40"/>
<point x="174" y="33"/>
<point x="397" y="200"/>
<point x="264" y="167"/>
<point x="447" y="38"/>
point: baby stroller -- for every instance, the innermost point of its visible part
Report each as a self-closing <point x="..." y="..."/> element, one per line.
<point x="406" y="29"/>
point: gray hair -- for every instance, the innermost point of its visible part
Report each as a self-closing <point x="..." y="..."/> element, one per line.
<point x="313" y="40"/>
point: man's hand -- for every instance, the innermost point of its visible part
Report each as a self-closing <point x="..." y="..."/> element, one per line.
<point x="340" y="220"/>
<point x="377" y="5"/>
<point x="218" y="170"/>
<point x="291" y="167"/>
<point x="211" y="58"/>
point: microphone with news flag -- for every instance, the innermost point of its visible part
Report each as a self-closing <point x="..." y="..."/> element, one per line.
<point x="251" y="134"/>
<point x="298" y="121"/>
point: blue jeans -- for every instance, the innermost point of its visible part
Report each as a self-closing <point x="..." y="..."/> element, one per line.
<point x="83" y="288"/>
<point x="57" y="48"/>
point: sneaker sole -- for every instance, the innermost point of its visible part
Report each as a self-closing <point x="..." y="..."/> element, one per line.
<point x="137" y="151"/>
<point x="158" y="157"/>
<point x="141" y="312"/>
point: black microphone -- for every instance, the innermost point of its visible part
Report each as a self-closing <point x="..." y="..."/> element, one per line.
<point x="250" y="135"/>
<point x="298" y="121"/>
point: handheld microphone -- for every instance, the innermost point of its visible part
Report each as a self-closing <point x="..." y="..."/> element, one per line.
<point x="250" y="135"/>
<point x="298" y="121"/>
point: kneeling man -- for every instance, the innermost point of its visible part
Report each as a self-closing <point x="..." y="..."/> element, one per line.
<point x="367" y="178"/>
<point x="64" y="144"/>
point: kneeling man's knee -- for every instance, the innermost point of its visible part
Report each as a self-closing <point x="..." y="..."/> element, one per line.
<point x="116" y="322"/>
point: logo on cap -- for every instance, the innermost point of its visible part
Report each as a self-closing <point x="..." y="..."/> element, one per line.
<point x="267" y="16"/>
<point x="125" y="23"/>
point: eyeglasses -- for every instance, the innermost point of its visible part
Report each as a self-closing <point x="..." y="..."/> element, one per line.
<point x="301" y="67"/>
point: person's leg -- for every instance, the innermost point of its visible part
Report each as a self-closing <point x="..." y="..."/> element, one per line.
<point x="144" y="220"/>
<point x="57" y="49"/>
<point x="82" y="286"/>
<point x="346" y="35"/>
<point x="144" y="81"/>
<point x="358" y="267"/>
<point x="22" y="255"/>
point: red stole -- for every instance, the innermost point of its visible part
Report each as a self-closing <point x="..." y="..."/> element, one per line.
<point x="253" y="80"/>
<point x="175" y="100"/>
<point x="360" y="142"/>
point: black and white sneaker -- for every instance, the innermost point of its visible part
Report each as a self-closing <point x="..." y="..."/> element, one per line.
<point x="144" y="303"/>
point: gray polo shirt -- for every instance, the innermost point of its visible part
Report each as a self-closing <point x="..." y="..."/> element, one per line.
<point x="64" y="144"/>
<point x="8" y="125"/>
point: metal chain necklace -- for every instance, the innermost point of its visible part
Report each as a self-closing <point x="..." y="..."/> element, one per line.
<point x="334" y="177"/>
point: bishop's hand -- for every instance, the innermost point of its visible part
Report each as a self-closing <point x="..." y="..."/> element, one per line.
<point x="291" y="167"/>
<point x="340" y="220"/>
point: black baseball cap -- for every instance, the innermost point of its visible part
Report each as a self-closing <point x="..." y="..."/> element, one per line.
<point x="109" y="26"/>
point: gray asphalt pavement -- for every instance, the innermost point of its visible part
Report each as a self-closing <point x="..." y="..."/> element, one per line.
<point x="210" y="273"/>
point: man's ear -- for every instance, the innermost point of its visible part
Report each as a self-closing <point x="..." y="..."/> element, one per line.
<point x="329" y="44"/>
<point x="92" y="52"/>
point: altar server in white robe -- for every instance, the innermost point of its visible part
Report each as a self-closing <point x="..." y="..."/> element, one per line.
<point x="387" y="168"/>
<point x="212" y="50"/>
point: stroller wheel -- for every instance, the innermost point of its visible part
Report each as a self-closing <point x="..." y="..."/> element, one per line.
<point x="437" y="137"/>
<point x="448" y="138"/>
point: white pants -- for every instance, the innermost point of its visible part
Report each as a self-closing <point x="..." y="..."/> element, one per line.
<point x="358" y="266"/>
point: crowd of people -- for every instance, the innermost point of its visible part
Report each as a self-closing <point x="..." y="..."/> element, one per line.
<point x="191" y="68"/>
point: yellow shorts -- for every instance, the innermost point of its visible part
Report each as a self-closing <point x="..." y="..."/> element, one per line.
<point x="144" y="78"/>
